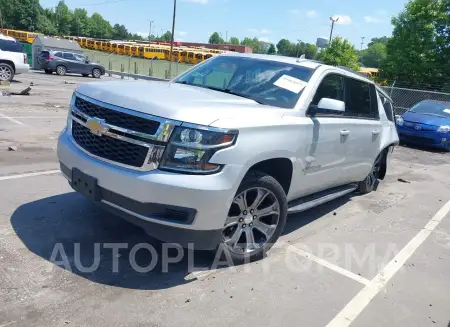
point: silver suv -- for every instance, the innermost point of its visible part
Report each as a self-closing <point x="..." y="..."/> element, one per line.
<point x="221" y="154"/>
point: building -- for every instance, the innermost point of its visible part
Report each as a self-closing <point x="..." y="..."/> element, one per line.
<point x="50" y="43"/>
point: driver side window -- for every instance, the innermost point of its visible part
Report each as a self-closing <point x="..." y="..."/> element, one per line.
<point x="332" y="87"/>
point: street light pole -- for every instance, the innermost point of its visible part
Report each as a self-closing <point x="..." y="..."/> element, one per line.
<point x="362" y="41"/>
<point x="173" y="32"/>
<point x="150" y="31"/>
<point x="332" y="26"/>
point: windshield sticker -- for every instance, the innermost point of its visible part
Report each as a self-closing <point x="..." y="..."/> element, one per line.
<point x="290" y="83"/>
<point x="447" y="111"/>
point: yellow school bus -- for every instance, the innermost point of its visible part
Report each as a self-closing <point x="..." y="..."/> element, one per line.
<point x="154" y="52"/>
<point x="134" y="51"/>
<point x="368" y="72"/>
<point x="82" y="41"/>
<point x="198" y="57"/>
<point x="120" y="49"/>
<point x="127" y="50"/>
<point x="23" y="36"/>
<point x="141" y="51"/>
<point x="90" y="44"/>
<point x="190" y="57"/>
<point x="98" y="45"/>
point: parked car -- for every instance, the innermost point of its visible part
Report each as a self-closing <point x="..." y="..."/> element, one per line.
<point x="427" y="124"/>
<point x="13" y="60"/>
<point x="63" y="62"/>
<point x="220" y="155"/>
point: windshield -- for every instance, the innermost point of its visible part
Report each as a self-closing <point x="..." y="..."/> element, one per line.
<point x="264" y="81"/>
<point x="438" y="108"/>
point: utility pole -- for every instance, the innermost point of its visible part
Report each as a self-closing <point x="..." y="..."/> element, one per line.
<point x="332" y="26"/>
<point x="226" y="37"/>
<point x="173" y="32"/>
<point x="150" y="31"/>
<point x="362" y="41"/>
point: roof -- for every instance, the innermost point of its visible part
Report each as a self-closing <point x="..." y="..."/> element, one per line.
<point x="51" y="42"/>
<point x="314" y="64"/>
<point x="4" y="37"/>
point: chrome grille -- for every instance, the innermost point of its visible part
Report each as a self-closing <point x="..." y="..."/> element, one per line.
<point x="116" y="118"/>
<point x="119" y="136"/>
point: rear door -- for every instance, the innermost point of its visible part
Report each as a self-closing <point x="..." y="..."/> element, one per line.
<point x="362" y="115"/>
<point x="73" y="65"/>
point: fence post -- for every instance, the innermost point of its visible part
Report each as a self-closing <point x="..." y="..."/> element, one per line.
<point x="136" y="70"/>
<point x="122" y="69"/>
<point x="150" y="72"/>
<point x="167" y="74"/>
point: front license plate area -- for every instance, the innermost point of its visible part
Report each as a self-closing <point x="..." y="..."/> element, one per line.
<point x="85" y="184"/>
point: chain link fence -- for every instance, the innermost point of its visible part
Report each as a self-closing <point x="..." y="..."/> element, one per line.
<point x="134" y="65"/>
<point x="405" y="98"/>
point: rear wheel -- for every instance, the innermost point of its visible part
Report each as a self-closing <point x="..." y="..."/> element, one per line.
<point x="255" y="219"/>
<point x="370" y="182"/>
<point x="96" y="73"/>
<point x="6" y="72"/>
<point x="61" y="70"/>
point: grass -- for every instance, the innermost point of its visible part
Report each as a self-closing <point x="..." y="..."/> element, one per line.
<point x="143" y="66"/>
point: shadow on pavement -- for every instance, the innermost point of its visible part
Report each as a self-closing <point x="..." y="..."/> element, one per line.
<point x="422" y="147"/>
<point x="73" y="233"/>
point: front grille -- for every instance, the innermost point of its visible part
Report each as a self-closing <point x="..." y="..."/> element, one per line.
<point x="418" y="139"/>
<point x="117" y="118"/>
<point x="422" y="127"/>
<point x="109" y="148"/>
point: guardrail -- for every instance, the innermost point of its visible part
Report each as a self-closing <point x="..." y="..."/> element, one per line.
<point x="135" y="76"/>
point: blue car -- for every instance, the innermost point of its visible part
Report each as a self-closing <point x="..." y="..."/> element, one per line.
<point x="427" y="124"/>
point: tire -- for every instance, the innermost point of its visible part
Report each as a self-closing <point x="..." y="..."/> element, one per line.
<point x="85" y="75"/>
<point x="6" y="72"/>
<point x="96" y="73"/>
<point x="260" y="224"/>
<point x="48" y="71"/>
<point x="61" y="70"/>
<point x="371" y="181"/>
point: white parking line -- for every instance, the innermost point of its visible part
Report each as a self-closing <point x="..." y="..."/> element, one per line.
<point x="366" y="295"/>
<point x="47" y="172"/>
<point x="328" y="265"/>
<point x="33" y="117"/>
<point x="11" y="119"/>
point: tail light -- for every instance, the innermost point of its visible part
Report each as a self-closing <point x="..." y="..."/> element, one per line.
<point x="24" y="58"/>
<point x="50" y="58"/>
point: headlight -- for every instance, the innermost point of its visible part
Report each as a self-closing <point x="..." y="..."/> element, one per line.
<point x="399" y="121"/>
<point x="444" y="129"/>
<point x="191" y="148"/>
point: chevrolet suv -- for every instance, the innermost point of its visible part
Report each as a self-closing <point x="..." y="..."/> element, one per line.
<point x="221" y="155"/>
<point x="13" y="60"/>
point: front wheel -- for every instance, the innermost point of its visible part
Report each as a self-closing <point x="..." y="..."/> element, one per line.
<point x="371" y="181"/>
<point x="6" y="72"/>
<point x="255" y="219"/>
<point x="96" y="73"/>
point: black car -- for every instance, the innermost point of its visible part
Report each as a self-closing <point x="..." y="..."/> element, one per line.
<point x="63" y="62"/>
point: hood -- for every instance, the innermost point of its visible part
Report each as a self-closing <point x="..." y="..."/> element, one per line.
<point x="177" y="101"/>
<point x="425" y="119"/>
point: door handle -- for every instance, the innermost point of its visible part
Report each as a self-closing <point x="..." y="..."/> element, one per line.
<point x="345" y="132"/>
<point x="376" y="132"/>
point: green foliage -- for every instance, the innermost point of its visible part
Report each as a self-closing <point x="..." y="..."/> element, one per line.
<point x="374" y="55"/>
<point x="419" y="51"/>
<point x="340" y="53"/>
<point x="272" y="49"/>
<point x="166" y="37"/>
<point x="286" y="48"/>
<point x="234" y="40"/>
<point x="215" y="39"/>
<point x="63" y="18"/>
<point x="383" y="40"/>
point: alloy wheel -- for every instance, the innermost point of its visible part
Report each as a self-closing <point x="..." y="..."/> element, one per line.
<point x="5" y="73"/>
<point x="252" y="220"/>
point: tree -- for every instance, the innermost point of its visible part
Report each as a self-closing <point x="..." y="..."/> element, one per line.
<point x="272" y="49"/>
<point x="284" y="47"/>
<point x="101" y="27"/>
<point x="63" y="18"/>
<point x="374" y="55"/>
<point x="234" y="40"/>
<point x="215" y="39"/>
<point x="340" y="53"/>
<point x="418" y="51"/>
<point x="81" y="24"/>
<point x="311" y="51"/>
<point x="120" y="32"/>
<point x="166" y="37"/>
<point x="383" y="40"/>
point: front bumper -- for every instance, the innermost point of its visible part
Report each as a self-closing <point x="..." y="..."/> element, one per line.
<point x="209" y="196"/>
<point x="424" y="138"/>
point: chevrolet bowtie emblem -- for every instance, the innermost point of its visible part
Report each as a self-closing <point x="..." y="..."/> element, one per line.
<point x="97" y="126"/>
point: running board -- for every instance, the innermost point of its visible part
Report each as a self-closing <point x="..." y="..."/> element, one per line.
<point x="322" y="197"/>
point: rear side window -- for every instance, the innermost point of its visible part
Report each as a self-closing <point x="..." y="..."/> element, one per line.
<point x="44" y="54"/>
<point x="69" y="56"/>
<point x="359" y="102"/>
<point x="388" y="107"/>
<point x="11" y="46"/>
<point x="58" y="54"/>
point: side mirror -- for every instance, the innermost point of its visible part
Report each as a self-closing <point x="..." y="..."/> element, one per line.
<point x="331" y="104"/>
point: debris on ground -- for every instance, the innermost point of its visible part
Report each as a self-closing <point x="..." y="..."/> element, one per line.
<point x="23" y="92"/>
<point x="67" y="82"/>
<point x="403" y="181"/>
<point x="12" y="148"/>
<point x="32" y="84"/>
<point x="334" y="213"/>
<point x="187" y="301"/>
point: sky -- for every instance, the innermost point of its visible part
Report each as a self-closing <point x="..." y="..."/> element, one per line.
<point x="267" y="20"/>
